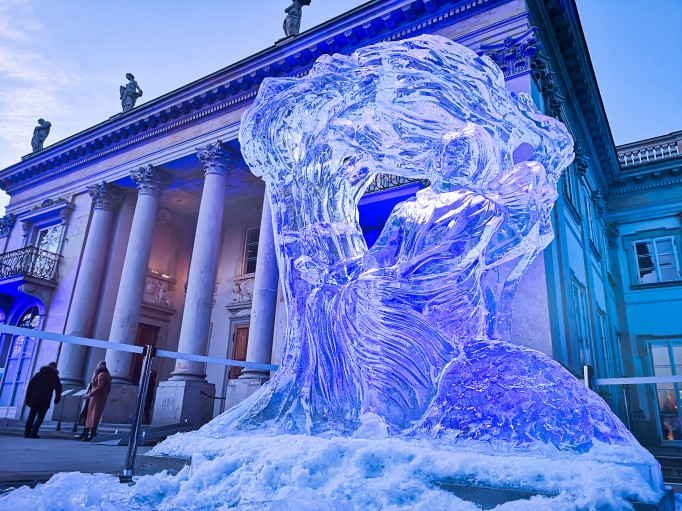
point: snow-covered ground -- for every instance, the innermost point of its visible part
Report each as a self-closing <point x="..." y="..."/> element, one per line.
<point x="301" y="473"/>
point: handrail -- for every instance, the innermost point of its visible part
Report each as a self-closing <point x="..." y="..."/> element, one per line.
<point x="130" y="348"/>
<point x="638" y="380"/>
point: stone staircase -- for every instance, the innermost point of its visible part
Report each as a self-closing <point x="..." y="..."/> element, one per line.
<point x="670" y="459"/>
<point x="15" y="427"/>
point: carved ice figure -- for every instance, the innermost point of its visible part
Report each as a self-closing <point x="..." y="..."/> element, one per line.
<point x="412" y="333"/>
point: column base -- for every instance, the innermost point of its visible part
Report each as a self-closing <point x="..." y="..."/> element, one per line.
<point x="69" y="408"/>
<point x="177" y="401"/>
<point x="120" y="405"/>
<point x="253" y="374"/>
<point x="184" y="376"/>
<point x="238" y="390"/>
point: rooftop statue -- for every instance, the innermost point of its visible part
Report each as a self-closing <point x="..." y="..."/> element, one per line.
<point x="129" y="93"/>
<point x="412" y="335"/>
<point x="40" y="134"/>
<point x="292" y="23"/>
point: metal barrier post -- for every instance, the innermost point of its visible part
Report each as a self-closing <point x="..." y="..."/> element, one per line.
<point x="627" y="408"/>
<point x="149" y="353"/>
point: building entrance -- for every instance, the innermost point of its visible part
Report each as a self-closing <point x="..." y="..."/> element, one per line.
<point x="18" y="365"/>
<point x="146" y="335"/>
<point x="239" y="344"/>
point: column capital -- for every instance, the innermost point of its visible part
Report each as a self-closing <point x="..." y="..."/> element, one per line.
<point x="150" y="180"/>
<point x="215" y="158"/>
<point x="105" y="196"/>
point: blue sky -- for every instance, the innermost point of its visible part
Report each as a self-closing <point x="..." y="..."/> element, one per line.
<point x="635" y="49"/>
<point x="64" y="60"/>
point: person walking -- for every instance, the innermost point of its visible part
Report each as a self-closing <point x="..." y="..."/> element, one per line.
<point x="38" y="397"/>
<point x="97" y="399"/>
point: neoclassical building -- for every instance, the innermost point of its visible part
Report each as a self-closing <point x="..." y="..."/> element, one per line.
<point x="149" y="229"/>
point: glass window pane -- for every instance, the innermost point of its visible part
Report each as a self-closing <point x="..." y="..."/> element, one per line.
<point x="670" y="426"/>
<point x="251" y="266"/>
<point x="660" y="355"/>
<point x="666" y="260"/>
<point x="252" y="236"/>
<point x="664" y="245"/>
<point x="668" y="274"/>
<point x="643" y="248"/>
<point x="667" y="402"/>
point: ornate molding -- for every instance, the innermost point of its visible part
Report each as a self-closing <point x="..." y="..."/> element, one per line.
<point x="215" y="158"/>
<point x="235" y="85"/>
<point x="581" y="160"/>
<point x="7" y="223"/>
<point x="158" y="291"/>
<point x="612" y="234"/>
<point x="150" y="180"/>
<point x="105" y="196"/>
<point x="599" y="202"/>
<point x="242" y="292"/>
<point x="547" y="83"/>
<point x="514" y="54"/>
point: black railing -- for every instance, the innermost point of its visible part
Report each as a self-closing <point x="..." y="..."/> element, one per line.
<point x="386" y="181"/>
<point x="32" y="262"/>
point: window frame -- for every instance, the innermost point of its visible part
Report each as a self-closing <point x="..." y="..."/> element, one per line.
<point x="653" y="237"/>
<point x="245" y="259"/>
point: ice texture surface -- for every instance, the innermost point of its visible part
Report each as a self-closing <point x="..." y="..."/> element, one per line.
<point x="412" y="334"/>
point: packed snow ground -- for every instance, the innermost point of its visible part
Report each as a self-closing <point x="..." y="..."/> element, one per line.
<point x="301" y="473"/>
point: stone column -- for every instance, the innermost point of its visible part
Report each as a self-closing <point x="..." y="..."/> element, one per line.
<point x="105" y="199"/>
<point x="150" y="183"/>
<point x="264" y="304"/>
<point x="185" y="395"/>
<point x="196" y="317"/>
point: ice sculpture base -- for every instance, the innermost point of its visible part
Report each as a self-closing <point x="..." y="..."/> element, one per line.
<point x="403" y="473"/>
<point x="489" y="498"/>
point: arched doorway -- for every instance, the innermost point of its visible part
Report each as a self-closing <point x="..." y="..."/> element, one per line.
<point x="18" y="364"/>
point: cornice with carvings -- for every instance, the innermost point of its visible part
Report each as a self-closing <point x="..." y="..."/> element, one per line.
<point x="231" y="87"/>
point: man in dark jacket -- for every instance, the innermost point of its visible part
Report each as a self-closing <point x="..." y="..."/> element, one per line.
<point x="38" y="397"/>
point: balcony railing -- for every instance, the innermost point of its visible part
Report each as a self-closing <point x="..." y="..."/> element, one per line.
<point x="31" y="262"/>
<point x="647" y="151"/>
<point x="386" y="181"/>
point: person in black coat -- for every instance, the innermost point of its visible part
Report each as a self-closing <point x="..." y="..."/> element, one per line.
<point x="38" y="397"/>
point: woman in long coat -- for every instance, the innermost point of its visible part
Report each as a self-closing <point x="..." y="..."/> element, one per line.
<point x="99" y="391"/>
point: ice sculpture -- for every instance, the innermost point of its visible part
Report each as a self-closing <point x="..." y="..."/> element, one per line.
<point x="411" y="336"/>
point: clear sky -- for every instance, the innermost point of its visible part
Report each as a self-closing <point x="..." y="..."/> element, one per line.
<point x="635" y="48"/>
<point x="64" y="60"/>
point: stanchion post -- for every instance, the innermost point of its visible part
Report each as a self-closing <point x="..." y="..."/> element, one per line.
<point x="128" y="472"/>
<point x="627" y="408"/>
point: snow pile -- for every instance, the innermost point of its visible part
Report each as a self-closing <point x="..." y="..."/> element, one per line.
<point x="311" y="473"/>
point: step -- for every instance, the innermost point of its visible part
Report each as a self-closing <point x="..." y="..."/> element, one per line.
<point x="151" y="435"/>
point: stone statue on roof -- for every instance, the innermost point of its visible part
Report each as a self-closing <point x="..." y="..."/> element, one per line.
<point x="129" y="93"/>
<point x="40" y="133"/>
<point x="292" y="23"/>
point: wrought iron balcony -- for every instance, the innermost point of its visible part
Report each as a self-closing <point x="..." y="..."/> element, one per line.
<point x="387" y="181"/>
<point x="30" y="262"/>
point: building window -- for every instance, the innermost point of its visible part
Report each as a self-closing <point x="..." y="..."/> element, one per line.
<point x="582" y="321"/>
<point x="250" y="251"/>
<point x="656" y="260"/>
<point x="50" y="238"/>
<point x="666" y="360"/>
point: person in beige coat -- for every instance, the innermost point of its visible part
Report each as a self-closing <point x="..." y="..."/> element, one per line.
<point x="97" y="396"/>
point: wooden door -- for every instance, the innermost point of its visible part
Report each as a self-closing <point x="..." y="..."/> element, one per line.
<point x="146" y="334"/>
<point x="239" y="345"/>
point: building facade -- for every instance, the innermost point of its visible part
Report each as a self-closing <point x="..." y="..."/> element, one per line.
<point x="149" y="229"/>
<point x="644" y="222"/>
